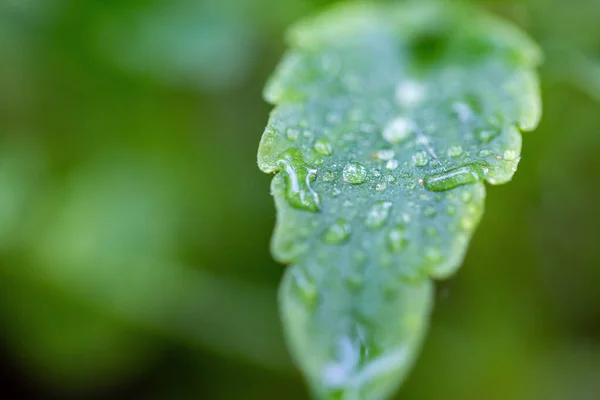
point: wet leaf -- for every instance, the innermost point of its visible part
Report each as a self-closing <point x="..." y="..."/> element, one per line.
<point x="388" y="120"/>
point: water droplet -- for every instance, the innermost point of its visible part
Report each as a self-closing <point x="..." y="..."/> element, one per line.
<point x="298" y="177"/>
<point x="381" y="186"/>
<point x="396" y="239"/>
<point x="338" y="232"/>
<point x="466" y="197"/>
<point x="378" y="214"/>
<point x="420" y="159"/>
<point x="510" y="155"/>
<point x="323" y="147"/>
<point x="451" y="210"/>
<point x="307" y="289"/>
<point x="455" y="151"/>
<point x="467" y="223"/>
<point x="462" y="111"/>
<point x="433" y="254"/>
<point x="328" y="176"/>
<point x="292" y="134"/>
<point x="485" y="153"/>
<point x="430" y="212"/>
<point x="486" y="135"/>
<point x="397" y="130"/>
<point x="386" y="154"/>
<point x="355" y="280"/>
<point x="431" y="231"/>
<point x="447" y="180"/>
<point x="392" y="165"/>
<point x="410" y="93"/>
<point x="307" y="134"/>
<point x="355" y="173"/>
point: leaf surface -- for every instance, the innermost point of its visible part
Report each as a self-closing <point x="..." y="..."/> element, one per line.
<point x="388" y="120"/>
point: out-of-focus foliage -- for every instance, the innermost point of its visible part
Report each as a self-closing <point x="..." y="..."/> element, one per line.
<point x="134" y="225"/>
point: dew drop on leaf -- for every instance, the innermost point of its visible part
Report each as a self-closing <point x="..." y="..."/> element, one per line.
<point x="298" y="177"/>
<point x="323" y="147"/>
<point x="338" y="232"/>
<point x="447" y="180"/>
<point x="410" y="93"/>
<point x="486" y="135"/>
<point x="510" y="155"/>
<point x="396" y="239"/>
<point x="420" y="159"/>
<point x="397" y="130"/>
<point x="378" y="214"/>
<point x="455" y="151"/>
<point x="355" y="173"/>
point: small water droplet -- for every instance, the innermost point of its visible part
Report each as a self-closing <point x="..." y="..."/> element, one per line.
<point x="397" y="130"/>
<point x="455" y="151"/>
<point x="486" y="135"/>
<point x="467" y="223"/>
<point x="447" y="180"/>
<point x="420" y="159"/>
<point x="485" y="153"/>
<point x="328" y="176"/>
<point x="433" y="254"/>
<point x="430" y="211"/>
<point x="431" y="231"/>
<point x="510" y="155"/>
<point x="410" y="93"/>
<point x="323" y="147"/>
<point x="396" y="239"/>
<point x="298" y="177"/>
<point x="338" y="232"/>
<point x="392" y="165"/>
<point x="292" y="134"/>
<point x="378" y="214"/>
<point x="355" y="173"/>
<point x="462" y="111"/>
<point x="306" y="288"/>
<point x="451" y="210"/>
<point x="355" y="280"/>
<point x="381" y="186"/>
<point x="386" y="154"/>
<point x="466" y="197"/>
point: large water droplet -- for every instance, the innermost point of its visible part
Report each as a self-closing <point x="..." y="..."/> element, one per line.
<point x="447" y="180"/>
<point x="298" y="177"/>
<point x="338" y="232"/>
<point x="323" y="147"/>
<point x="378" y="214"/>
<point x="397" y="130"/>
<point x="355" y="173"/>
<point x="396" y="239"/>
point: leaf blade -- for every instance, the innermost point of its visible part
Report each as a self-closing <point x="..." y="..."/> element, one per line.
<point x="395" y="116"/>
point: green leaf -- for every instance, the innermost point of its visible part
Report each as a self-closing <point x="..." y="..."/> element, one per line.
<point x="388" y="120"/>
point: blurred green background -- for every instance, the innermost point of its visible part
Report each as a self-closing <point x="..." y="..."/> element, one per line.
<point x="135" y="225"/>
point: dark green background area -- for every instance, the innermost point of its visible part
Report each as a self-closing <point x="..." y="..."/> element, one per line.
<point x="135" y="225"/>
